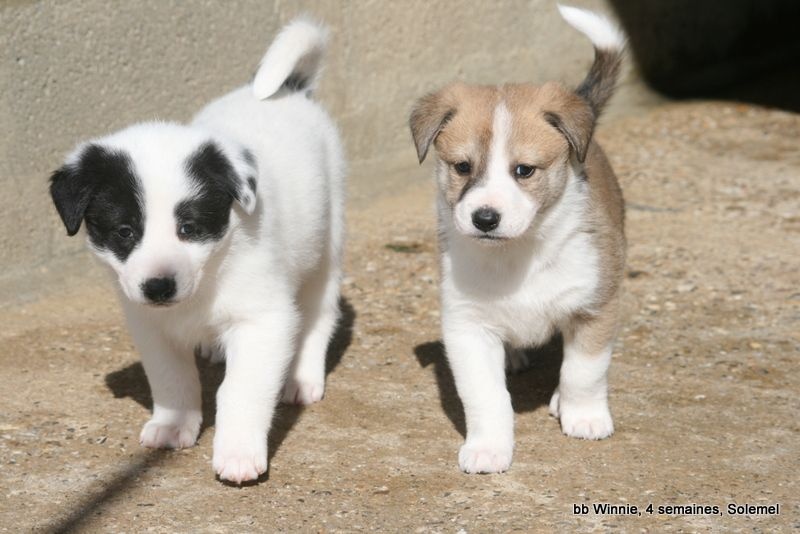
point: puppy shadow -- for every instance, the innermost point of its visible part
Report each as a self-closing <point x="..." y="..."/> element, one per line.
<point x="131" y="382"/>
<point x="529" y="388"/>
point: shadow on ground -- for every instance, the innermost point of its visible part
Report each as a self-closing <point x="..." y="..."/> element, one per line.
<point x="132" y="382"/>
<point x="530" y="388"/>
<point x="126" y="477"/>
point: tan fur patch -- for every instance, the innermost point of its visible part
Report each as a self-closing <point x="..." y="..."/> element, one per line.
<point x="467" y="135"/>
<point x="606" y="221"/>
<point x="535" y="140"/>
<point x="592" y="334"/>
<point x="552" y="130"/>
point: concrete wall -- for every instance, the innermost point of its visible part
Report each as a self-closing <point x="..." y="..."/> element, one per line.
<point x="73" y="70"/>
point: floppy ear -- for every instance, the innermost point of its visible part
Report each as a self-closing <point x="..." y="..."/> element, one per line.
<point x="246" y="170"/>
<point x="71" y="191"/>
<point x="576" y="122"/>
<point x="430" y="114"/>
<point x="73" y="186"/>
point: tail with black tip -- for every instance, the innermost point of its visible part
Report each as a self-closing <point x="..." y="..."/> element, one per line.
<point x="293" y="61"/>
<point x="609" y="45"/>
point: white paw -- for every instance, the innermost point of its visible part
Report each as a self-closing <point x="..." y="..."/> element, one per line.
<point x="485" y="457"/>
<point x="585" y="419"/>
<point x="303" y="392"/>
<point x="239" y="457"/>
<point x="171" y="434"/>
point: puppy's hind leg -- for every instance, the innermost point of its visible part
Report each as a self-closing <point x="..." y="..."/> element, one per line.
<point x="319" y="303"/>
<point x="581" y="399"/>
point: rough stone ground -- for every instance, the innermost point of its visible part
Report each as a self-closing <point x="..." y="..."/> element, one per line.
<point x="704" y="384"/>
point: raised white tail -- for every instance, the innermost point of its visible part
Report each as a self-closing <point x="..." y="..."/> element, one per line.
<point x="294" y="59"/>
<point x="603" y="33"/>
<point x="609" y="44"/>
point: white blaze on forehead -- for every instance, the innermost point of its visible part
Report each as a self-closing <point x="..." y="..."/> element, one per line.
<point x="160" y="160"/>
<point x="499" y="190"/>
<point x="498" y="151"/>
<point x="165" y="186"/>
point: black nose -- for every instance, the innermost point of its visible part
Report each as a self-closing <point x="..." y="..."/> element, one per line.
<point x="159" y="290"/>
<point x="485" y="219"/>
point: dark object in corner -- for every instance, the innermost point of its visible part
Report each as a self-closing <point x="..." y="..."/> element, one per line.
<point x="738" y="49"/>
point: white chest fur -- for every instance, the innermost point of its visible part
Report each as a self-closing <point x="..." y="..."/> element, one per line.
<point x="522" y="291"/>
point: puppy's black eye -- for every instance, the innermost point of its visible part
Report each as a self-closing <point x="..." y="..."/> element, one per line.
<point x="187" y="230"/>
<point x="125" y="231"/>
<point x="463" y="167"/>
<point x="524" y="171"/>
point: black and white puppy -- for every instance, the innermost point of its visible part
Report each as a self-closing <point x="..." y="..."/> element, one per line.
<point x="226" y="233"/>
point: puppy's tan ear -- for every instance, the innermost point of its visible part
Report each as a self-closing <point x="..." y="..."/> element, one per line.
<point x="575" y="120"/>
<point x="430" y="114"/>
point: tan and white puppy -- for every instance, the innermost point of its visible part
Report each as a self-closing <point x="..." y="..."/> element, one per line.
<point x="532" y="241"/>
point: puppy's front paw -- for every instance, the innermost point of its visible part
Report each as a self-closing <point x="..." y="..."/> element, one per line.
<point x="584" y="419"/>
<point x="239" y="457"/>
<point x="303" y="392"/>
<point x="485" y="456"/>
<point x="171" y="434"/>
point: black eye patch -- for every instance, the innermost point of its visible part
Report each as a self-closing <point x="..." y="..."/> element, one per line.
<point x="203" y="218"/>
<point x="212" y="172"/>
<point x="114" y="217"/>
<point x="205" y="215"/>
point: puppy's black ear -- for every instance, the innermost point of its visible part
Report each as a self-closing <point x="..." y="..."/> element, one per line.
<point x="429" y="116"/>
<point x="71" y="191"/>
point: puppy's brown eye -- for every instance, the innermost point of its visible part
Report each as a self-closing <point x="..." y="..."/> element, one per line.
<point x="125" y="231"/>
<point x="187" y="229"/>
<point x="463" y="167"/>
<point x="524" y="171"/>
